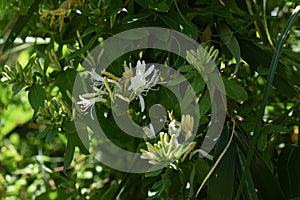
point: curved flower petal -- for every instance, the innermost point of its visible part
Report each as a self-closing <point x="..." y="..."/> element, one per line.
<point x="150" y="132"/>
<point x="86" y="104"/>
<point x="142" y="102"/>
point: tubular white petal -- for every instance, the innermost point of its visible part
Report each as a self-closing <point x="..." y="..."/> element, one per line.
<point x="95" y="76"/>
<point x="91" y="112"/>
<point x="149" y="131"/>
<point x="86" y="104"/>
<point x="149" y="71"/>
<point x="137" y="82"/>
<point x="140" y="68"/>
<point x="154" y="79"/>
<point x="142" y="102"/>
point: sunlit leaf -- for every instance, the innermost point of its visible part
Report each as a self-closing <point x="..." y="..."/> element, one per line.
<point x="234" y="90"/>
<point x="19" y="25"/>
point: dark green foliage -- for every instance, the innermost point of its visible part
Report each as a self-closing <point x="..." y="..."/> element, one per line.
<point x="43" y="155"/>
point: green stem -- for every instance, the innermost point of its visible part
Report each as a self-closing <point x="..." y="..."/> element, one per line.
<point x="266" y="94"/>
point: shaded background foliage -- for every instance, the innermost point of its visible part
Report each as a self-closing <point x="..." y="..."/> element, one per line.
<point x="43" y="44"/>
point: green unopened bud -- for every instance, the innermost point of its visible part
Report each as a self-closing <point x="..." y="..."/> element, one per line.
<point x="51" y="109"/>
<point x="66" y="108"/>
<point x="190" y="148"/>
<point x="150" y="146"/>
<point x="6" y="77"/>
<point x="54" y="59"/>
<point x="42" y="111"/>
<point x="39" y="67"/>
<point x="8" y="73"/>
<point x="42" y="120"/>
<point x="19" y="68"/>
<point x="27" y="76"/>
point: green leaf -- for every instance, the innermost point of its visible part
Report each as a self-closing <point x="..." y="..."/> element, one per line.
<point x="205" y="104"/>
<point x="262" y="70"/>
<point x="222" y="180"/>
<point x="19" y="25"/>
<point x="288" y="171"/>
<point x="84" y="10"/>
<point x="139" y="16"/>
<point x="65" y="81"/>
<point x="175" y="21"/>
<point x="50" y="135"/>
<point x="266" y="94"/>
<point x="160" y="6"/>
<point x="36" y="97"/>
<point x="110" y="193"/>
<point x="264" y="181"/>
<point x="113" y="11"/>
<point x="70" y="129"/>
<point x="69" y="153"/>
<point x="255" y="56"/>
<point x="192" y="178"/>
<point x="220" y="11"/>
<point x="2" y="4"/>
<point x="142" y="3"/>
<point x="198" y="84"/>
<point x="235" y="91"/>
<point x="83" y="49"/>
<point x="231" y="43"/>
<point x="202" y="168"/>
<point x="186" y="68"/>
<point x="135" y="35"/>
<point x="249" y="191"/>
<point x="43" y="133"/>
<point x="153" y="173"/>
<point x="273" y="128"/>
<point x="17" y="88"/>
<point x="90" y="30"/>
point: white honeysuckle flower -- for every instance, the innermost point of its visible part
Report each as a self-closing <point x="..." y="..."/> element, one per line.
<point x="149" y="131"/>
<point x="128" y="73"/>
<point x="168" y="149"/>
<point x="187" y="122"/>
<point x="98" y="81"/>
<point x="165" y="151"/>
<point x="88" y="101"/>
<point x="139" y="82"/>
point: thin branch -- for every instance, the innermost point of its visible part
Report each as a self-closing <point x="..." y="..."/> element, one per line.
<point x="217" y="161"/>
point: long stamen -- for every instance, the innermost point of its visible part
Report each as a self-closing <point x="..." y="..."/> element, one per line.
<point x="110" y="75"/>
<point x="108" y="89"/>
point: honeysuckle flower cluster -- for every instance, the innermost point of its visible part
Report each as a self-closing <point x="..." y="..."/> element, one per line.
<point x="169" y="149"/>
<point x="137" y="84"/>
<point x="141" y="82"/>
<point x="203" y="59"/>
<point x="88" y="100"/>
<point x="172" y="146"/>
